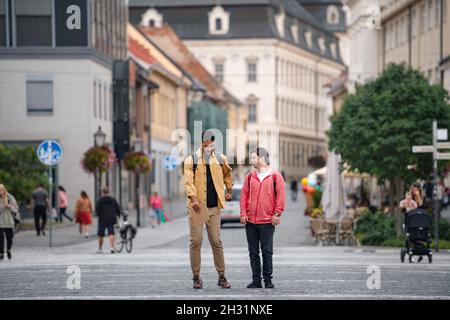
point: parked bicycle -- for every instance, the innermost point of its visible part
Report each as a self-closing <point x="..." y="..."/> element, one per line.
<point x="127" y="233"/>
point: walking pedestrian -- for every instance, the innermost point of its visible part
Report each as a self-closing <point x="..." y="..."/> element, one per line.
<point x="206" y="173"/>
<point x="294" y="189"/>
<point x="157" y="206"/>
<point x="41" y="205"/>
<point x="262" y="204"/>
<point x="63" y="204"/>
<point x="9" y="212"/>
<point x="107" y="209"/>
<point x="83" y="214"/>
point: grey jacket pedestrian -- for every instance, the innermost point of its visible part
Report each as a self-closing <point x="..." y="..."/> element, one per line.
<point x="7" y="214"/>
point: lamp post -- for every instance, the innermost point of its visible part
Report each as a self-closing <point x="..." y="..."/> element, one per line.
<point x="99" y="141"/>
<point x="138" y="146"/>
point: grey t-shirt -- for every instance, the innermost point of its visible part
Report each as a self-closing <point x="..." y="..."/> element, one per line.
<point x="40" y="197"/>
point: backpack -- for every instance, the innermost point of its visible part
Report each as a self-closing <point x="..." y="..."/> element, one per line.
<point x="273" y="174"/>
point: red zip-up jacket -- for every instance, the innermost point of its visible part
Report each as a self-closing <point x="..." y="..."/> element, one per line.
<point x="258" y="201"/>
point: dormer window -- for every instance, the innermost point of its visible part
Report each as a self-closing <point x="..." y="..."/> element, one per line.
<point x="219" y="20"/>
<point x="152" y="18"/>
<point x="308" y="38"/>
<point x="333" y="15"/>
<point x="333" y="50"/>
<point x="279" y="21"/>
<point x="294" y="32"/>
<point x="321" y="42"/>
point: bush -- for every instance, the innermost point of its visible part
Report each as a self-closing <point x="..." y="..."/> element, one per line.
<point x="379" y="230"/>
<point x="444" y="229"/>
<point x="21" y="171"/>
<point x="374" y="229"/>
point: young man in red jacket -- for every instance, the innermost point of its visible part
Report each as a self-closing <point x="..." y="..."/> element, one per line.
<point x="262" y="203"/>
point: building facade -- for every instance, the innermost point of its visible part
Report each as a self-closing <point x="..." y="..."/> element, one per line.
<point x="159" y="91"/>
<point x="417" y="33"/>
<point x="273" y="55"/>
<point x="56" y="60"/>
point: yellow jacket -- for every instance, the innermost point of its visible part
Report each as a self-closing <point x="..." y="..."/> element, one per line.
<point x="196" y="186"/>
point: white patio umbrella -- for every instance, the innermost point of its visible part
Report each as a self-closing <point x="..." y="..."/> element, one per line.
<point x="333" y="202"/>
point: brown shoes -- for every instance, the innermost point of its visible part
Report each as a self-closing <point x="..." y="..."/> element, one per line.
<point x="223" y="283"/>
<point x="198" y="283"/>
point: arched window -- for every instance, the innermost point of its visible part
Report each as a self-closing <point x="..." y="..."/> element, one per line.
<point x="152" y="18"/>
<point x="333" y="15"/>
<point x="218" y="24"/>
<point x="219" y="20"/>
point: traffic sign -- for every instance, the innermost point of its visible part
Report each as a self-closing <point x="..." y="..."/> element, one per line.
<point x="443" y="145"/>
<point x="170" y="163"/>
<point x="422" y="149"/>
<point x="49" y="152"/>
<point x="443" y="156"/>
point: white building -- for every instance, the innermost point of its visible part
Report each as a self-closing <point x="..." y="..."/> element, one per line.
<point x="274" y="55"/>
<point x="56" y="81"/>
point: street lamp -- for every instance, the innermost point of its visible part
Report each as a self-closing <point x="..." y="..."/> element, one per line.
<point x="99" y="141"/>
<point x="99" y="137"/>
<point x="138" y="146"/>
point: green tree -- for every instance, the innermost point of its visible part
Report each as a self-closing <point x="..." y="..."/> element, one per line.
<point x="21" y="171"/>
<point x="378" y="125"/>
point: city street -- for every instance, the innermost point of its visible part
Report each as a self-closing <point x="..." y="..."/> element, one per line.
<point x="158" y="268"/>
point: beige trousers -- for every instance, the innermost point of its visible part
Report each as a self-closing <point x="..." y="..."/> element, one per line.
<point x="196" y="238"/>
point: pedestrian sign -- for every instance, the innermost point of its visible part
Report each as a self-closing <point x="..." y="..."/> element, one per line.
<point x="170" y="163"/>
<point x="49" y="152"/>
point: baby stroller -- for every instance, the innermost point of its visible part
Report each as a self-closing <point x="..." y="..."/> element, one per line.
<point x="418" y="239"/>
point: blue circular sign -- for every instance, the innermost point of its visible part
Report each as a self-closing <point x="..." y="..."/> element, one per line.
<point x="49" y="152"/>
<point x="170" y="163"/>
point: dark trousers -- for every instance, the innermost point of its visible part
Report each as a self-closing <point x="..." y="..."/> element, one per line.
<point x="40" y="213"/>
<point x="62" y="212"/>
<point x="260" y="234"/>
<point x="9" y="234"/>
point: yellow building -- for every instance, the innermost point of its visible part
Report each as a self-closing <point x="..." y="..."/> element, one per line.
<point x="417" y="32"/>
<point x="159" y="91"/>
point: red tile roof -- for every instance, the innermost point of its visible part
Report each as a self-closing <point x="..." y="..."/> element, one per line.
<point x="166" y="39"/>
<point x="140" y="51"/>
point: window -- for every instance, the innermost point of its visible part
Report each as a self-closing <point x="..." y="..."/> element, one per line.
<point x="219" y="20"/>
<point x="423" y="18"/>
<point x="333" y="15"/>
<point x="100" y="92"/>
<point x="2" y="24"/>
<point x="152" y="18"/>
<point x="444" y="10"/>
<point x="438" y="12"/>
<point x="413" y="23"/>
<point x="252" y="117"/>
<point x="251" y="72"/>
<point x="39" y="96"/>
<point x="430" y="14"/>
<point x="95" y="99"/>
<point x="34" y="22"/>
<point x="105" y="114"/>
<point x="396" y="41"/>
<point x="218" y="71"/>
<point x="111" y="105"/>
<point x="218" y="24"/>
<point x="294" y="32"/>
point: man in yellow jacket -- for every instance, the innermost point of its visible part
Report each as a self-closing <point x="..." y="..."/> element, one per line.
<point x="206" y="173"/>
